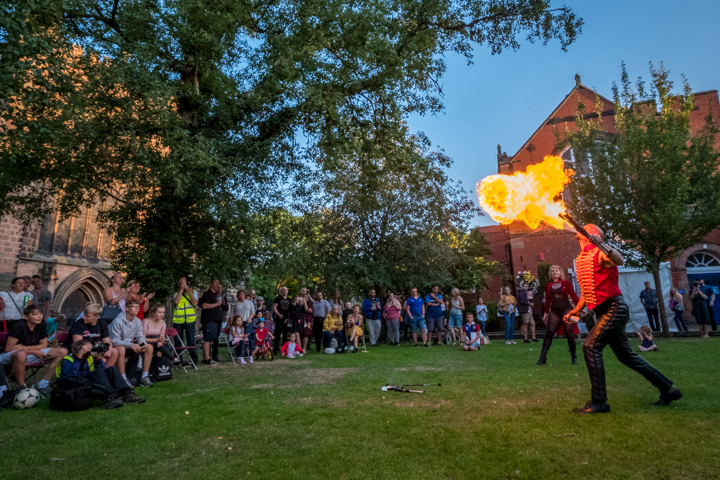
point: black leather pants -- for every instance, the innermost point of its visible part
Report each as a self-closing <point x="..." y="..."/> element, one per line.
<point x="612" y="316"/>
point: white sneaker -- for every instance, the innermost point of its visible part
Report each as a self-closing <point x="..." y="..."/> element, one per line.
<point x="300" y="354"/>
<point x="514" y="342"/>
<point x="242" y="360"/>
<point x="291" y="356"/>
<point x="508" y="342"/>
<point x="250" y="359"/>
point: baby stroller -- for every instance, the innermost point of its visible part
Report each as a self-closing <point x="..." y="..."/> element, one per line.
<point x="265" y="350"/>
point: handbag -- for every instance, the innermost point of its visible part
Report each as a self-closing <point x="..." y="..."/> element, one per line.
<point x="110" y="313"/>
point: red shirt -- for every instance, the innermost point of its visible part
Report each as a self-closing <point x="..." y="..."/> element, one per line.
<point x="598" y="283"/>
<point x="565" y="286"/>
<point x="261" y="334"/>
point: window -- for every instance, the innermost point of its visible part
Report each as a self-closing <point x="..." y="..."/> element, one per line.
<point x="702" y="260"/>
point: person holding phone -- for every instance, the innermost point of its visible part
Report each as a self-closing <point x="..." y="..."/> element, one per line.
<point x="126" y="334"/>
<point x="700" y="309"/>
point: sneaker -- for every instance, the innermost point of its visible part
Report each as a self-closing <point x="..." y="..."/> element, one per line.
<point x="526" y="341"/>
<point x="129" y="384"/>
<point x="242" y="361"/>
<point x="183" y="363"/>
<point x="426" y="345"/>
<point x="146" y="382"/>
<point x="209" y="362"/>
<point x="113" y="402"/>
<point x="215" y="359"/>
<point x="44" y="392"/>
<point x="8" y="397"/>
<point x="416" y="344"/>
<point x="250" y="359"/>
<point x="513" y="342"/>
<point x="355" y="351"/>
<point x="535" y="340"/>
<point x="507" y="342"/>
<point x="591" y="407"/>
<point x="300" y="354"/>
<point x="133" y="397"/>
<point x="668" y="397"/>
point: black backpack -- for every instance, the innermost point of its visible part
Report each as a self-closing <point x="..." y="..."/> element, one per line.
<point x="71" y="394"/>
<point x="134" y="367"/>
<point x="161" y="369"/>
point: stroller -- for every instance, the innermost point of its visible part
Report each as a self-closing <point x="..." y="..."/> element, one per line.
<point x="265" y="350"/>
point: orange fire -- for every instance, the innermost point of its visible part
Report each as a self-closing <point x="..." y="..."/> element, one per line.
<point x="529" y="196"/>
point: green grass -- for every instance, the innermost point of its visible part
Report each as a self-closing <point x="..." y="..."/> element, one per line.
<point x="496" y="416"/>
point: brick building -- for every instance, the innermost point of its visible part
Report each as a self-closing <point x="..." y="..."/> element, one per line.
<point x="520" y="248"/>
<point x="72" y="256"/>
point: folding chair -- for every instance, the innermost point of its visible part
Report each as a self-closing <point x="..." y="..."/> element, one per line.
<point x="31" y="369"/>
<point x="347" y="340"/>
<point x="225" y="337"/>
<point x="172" y="334"/>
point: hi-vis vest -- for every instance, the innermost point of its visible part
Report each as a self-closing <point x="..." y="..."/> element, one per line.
<point x="184" y="311"/>
<point x="69" y="357"/>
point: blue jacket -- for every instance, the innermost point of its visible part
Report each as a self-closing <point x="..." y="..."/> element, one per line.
<point x="74" y="367"/>
<point x="367" y="309"/>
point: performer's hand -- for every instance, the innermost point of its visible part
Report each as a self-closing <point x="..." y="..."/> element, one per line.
<point x="596" y="239"/>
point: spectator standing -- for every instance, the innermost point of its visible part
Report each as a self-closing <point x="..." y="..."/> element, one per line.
<point x="281" y="308"/>
<point x="43" y="297"/>
<point x="649" y="299"/>
<point x="115" y="294"/>
<point x="321" y="309"/>
<point x="15" y="302"/>
<point x="253" y="298"/>
<point x="213" y="303"/>
<point x="27" y="343"/>
<point x="372" y="309"/>
<point x="524" y="300"/>
<point x="508" y="306"/>
<point x="245" y="309"/>
<point x="92" y="328"/>
<point x="392" y="319"/>
<point x="457" y="305"/>
<point x="676" y="306"/>
<point x="297" y="318"/>
<point x="337" y="300"/>
<point x="481" y="312"/>
<point x="700" y="309"/>
<point x="415" y="307"/>
<point x="29" y="288"/>
<point x="154" y="331"/>
<point x="185" y="316"/>
<point x="308" y="315"/>
<point x="710" y="294"/>
<point x="133" y="292"/>
<point x="434" y="318"/>
<point x="126" y="333"/>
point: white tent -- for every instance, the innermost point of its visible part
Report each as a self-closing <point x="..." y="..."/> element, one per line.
<point x="631" y="284"/>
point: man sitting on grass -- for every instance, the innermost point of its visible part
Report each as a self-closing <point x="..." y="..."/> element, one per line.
<point x="471" y="334"/>
<point x="126" y="334"/>
<point x="107" y="382"/>
<point x="27" y="343"/>
<point x="92" y="328"/>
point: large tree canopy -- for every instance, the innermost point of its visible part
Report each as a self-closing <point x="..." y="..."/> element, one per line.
<point x="655" y="182"/>
<point x="183" y="117"/>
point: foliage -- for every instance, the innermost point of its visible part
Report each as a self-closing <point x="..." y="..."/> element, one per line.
<point x="179" y="119"/>
<point x="526" y="277"/>
<point x="655" y="183"/>
<point x="543" y="276"/>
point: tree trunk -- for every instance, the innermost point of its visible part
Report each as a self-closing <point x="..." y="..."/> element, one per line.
<point x="661" y="302"/>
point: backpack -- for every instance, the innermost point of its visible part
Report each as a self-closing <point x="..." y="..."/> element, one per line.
<point x="133" y="368"/>
<point x="161" y="369"/>
<point x="71" y="394"/>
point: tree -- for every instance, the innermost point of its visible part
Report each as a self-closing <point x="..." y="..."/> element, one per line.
<point x="655" y="183"/>
<point x="471" y="270"/>
<point x="182" y="118"/>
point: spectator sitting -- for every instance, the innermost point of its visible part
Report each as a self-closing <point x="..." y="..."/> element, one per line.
<point x="260" y="335"/>
<point x="471" y="334"/>
<point x="6" y="396"/>
<point x="107" y="382"/>
<point x="51" y="325"/>
<point x="154" y="332"/>
<point x="333" y="327"/>
<point x="354" y="328"/>
<point x="26" y="344"/>
<point x="238" y="338"/>
<point x="95" y="330"/>
<point x="646" y="337"/>
<point x="291" y="349"/>
<point x="126" y="333"/>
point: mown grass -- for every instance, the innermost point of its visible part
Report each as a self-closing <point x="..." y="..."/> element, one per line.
<point x="496" y="415"/>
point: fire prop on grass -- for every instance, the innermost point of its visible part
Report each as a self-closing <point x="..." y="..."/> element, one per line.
<point x="530" y="196"/>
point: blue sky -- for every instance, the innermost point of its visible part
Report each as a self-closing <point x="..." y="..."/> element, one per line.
<point x="504" y="98"/>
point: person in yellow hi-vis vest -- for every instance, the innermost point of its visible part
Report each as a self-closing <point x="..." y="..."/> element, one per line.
<point x="184" y="316"/>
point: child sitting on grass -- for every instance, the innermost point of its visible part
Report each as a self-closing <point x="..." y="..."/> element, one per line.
<point x="238" y="337"/>
<point x="646" y="337"/>
<point x="291" y="349"/>
<point x="471" y="334"/>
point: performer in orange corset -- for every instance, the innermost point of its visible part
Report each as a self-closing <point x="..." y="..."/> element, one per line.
<point x="598" y="277"/>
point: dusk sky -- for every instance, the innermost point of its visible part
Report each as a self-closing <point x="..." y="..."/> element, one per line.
<point x="502" y="99"/>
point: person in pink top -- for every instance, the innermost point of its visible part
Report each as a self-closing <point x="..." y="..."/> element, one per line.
<point x="391" y="312"/>
<point x="154" y="332"/>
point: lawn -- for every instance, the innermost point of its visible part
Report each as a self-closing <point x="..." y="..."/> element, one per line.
<point x="497" y="415"/>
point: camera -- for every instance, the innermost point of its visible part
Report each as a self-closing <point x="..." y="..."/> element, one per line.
<point x="189" y="280"/>
<point x="100" y="348"/>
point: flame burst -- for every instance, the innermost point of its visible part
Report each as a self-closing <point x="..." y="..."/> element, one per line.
<point x="529" y="196"/>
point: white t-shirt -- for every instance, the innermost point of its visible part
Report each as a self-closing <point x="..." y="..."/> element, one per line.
<point x="13" y="301"/>
<point x="245" y="309"/>
<point x="291" y="348"/>
<point x="481" y="311"/>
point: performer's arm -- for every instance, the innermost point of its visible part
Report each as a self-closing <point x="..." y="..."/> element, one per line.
<point x="607" y="261"/>
<point x="575" y="311"/>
